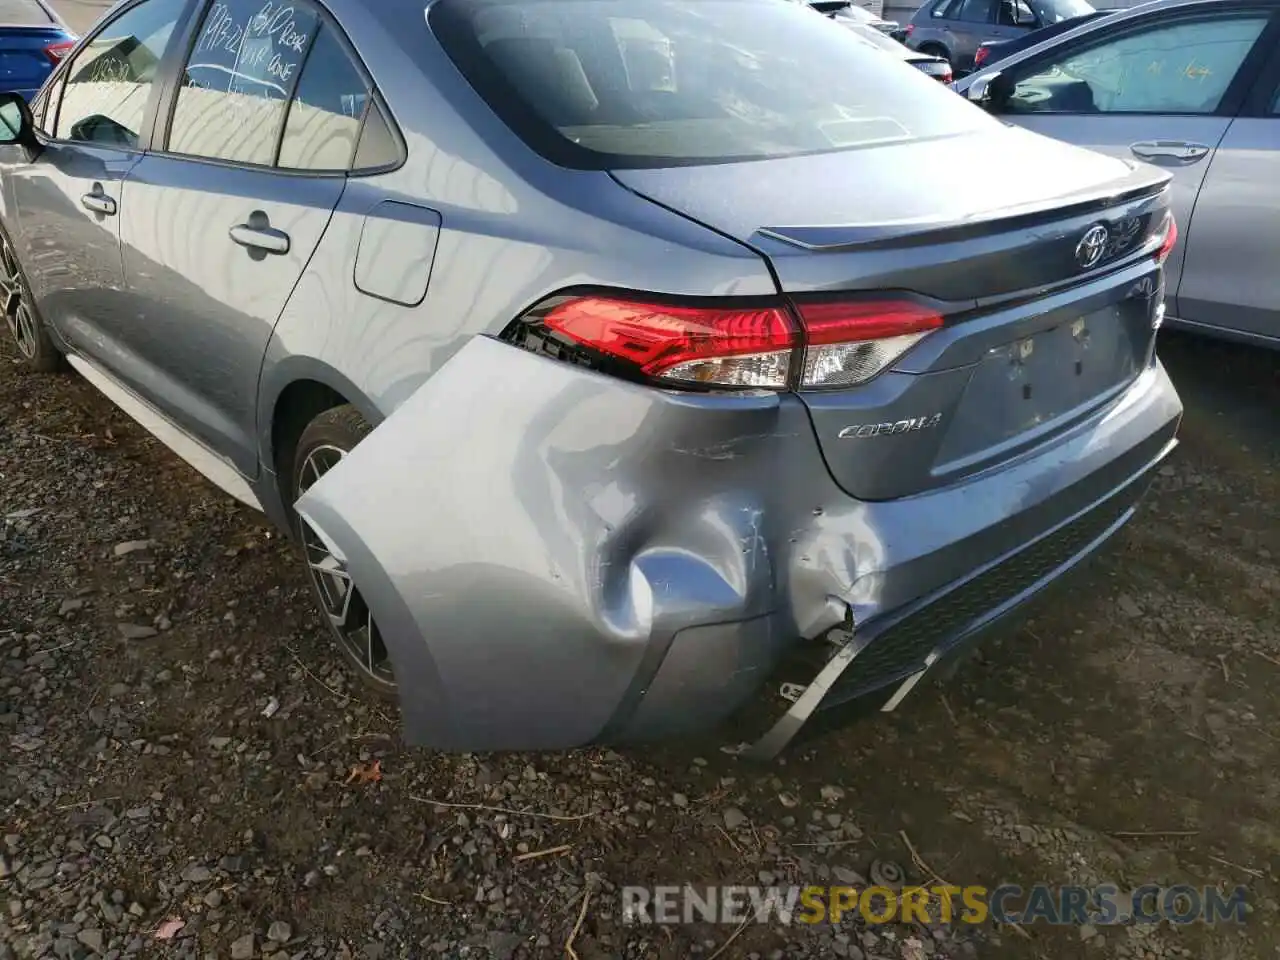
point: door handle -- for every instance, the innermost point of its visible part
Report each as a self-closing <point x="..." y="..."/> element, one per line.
<point x="267" y="239"/>
<point x="99" y="202"/>
<point x="1169" y="150"/>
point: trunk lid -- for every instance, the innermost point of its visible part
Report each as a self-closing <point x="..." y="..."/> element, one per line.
<point x="984" y="227"/>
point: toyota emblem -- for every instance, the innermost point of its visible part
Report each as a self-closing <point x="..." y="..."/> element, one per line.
<point x="1092" y="246"/>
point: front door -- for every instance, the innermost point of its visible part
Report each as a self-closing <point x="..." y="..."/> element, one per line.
<point x="216" y="236"/>
<point x="1229" y="279"/>
<point x="1156" y="91"/>
<point x="67" y="202"/>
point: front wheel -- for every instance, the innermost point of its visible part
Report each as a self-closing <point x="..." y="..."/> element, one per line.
<point x="25" y="326"/>
<point x="325" y="441"/>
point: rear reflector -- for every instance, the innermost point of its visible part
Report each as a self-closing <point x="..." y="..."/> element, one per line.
<point x="56" y="51"/>
<point x="1170" y="238"/>
<point x="821" y="344"/>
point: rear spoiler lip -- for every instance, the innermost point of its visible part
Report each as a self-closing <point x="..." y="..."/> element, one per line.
<point x="833" y="239"/>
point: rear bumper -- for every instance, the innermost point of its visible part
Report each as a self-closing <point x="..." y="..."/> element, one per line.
<point x="566" y="558"/>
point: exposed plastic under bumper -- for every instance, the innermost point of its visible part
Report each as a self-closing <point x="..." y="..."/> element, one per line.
<point x="555" y="557"/>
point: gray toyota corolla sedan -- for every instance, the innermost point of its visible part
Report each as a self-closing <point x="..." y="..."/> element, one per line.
<point x="610" y="360"/>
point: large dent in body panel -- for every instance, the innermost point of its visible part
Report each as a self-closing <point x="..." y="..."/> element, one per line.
<point x="556" y="557"/>
<point x="531" y="536"/>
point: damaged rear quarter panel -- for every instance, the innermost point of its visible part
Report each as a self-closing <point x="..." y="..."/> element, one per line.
<point x="531" y="536"/>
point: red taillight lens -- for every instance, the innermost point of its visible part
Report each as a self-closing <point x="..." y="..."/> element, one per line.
<point x="56" y="51"/>
<point x="1170" y="238"/>
<point x="824" y="344"/>
<point x="946" y="76"/>
<point x="723" y="346"/>
<point x="980" y="57"/>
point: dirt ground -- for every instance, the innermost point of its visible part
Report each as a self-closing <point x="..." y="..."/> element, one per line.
<point x="180" y="743"/>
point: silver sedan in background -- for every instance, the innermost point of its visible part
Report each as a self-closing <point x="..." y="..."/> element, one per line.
<point x="1193" y="87"/>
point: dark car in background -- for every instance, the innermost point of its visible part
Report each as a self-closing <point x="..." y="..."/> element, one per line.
<point x="33" y="40"/>
<point x="992" y="51"/>
<point x="955" y="29"/>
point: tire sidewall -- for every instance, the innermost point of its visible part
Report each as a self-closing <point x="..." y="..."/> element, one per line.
<point x="343" y="428"/>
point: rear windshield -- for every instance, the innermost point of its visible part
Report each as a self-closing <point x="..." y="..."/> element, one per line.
<point x="23" y="13"/>
<point x="650" y="83"/>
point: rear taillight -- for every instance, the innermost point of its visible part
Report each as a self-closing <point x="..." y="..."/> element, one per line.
<point x="945" y="76"/>
<point x="727" y="347"/>
<point x="770" y="346"/>
<point x="56" y="51"/>
<point x="980" y="57"/>
<point x="1169" y="238"/>
<point x="909" y="29"/>
<point x="849" y="343"/>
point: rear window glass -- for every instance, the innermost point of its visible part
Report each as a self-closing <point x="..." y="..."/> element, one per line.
<point x="1056" y="11"/>
<point x="651" y="83"/>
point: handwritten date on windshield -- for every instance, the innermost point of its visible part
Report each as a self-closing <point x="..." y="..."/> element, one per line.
<point x="279" y="23"/>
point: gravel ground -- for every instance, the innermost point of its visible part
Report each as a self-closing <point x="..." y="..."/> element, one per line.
<point x="189" y="773"/>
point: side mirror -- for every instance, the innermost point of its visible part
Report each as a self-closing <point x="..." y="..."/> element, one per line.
<point x="16" y="123"/>
<point x="990" y="90"/>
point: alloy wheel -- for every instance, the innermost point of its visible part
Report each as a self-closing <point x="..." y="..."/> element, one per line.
<point x="348" y="614"/>
<point x="17" y="311"/>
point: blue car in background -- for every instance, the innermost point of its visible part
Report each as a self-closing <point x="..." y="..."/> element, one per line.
<point x="32" y="42"/>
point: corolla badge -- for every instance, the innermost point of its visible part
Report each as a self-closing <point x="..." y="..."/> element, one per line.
<point x="860" y="431"/>
<point x="1092" y="246"/>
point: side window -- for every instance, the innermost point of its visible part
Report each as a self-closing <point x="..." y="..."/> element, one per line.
<point x="324" y="117"/>
<point x="236" y="86"/>
<point x="378" y="145"/>
<point x="1182" y="67"/>
<point x="1015" y="13"/>
<point x="108" y="84"/>
<point x="945" y="8"/>
<point x="973" y="11"/>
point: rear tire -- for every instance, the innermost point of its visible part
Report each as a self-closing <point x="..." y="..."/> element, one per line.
<point x="934" y="50"/>
<point x="323" y="444"/>
<point x="23" y="320"/>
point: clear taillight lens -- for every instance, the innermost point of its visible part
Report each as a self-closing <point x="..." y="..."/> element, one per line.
<point x="848" y="343"/>
<point x="815" y="345"/>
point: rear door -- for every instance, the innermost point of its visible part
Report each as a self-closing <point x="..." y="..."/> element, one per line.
<point x="1229" y="276"/>
<point x="221" y="222"/>
<point x="1161" y="88"/>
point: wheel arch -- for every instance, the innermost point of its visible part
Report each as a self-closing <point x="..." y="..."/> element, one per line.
<point x="936" y="48"/>
<point x="295" y="392"/>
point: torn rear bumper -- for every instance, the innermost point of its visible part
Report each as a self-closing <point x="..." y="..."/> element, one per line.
<point x="557" y="558"/>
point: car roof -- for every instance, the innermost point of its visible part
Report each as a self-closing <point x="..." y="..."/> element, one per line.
<point x="24" y="13"/>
